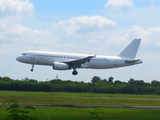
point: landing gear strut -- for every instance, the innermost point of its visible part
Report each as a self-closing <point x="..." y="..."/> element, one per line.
<point x="32" y="68"/>
<point x="74" y="72"/>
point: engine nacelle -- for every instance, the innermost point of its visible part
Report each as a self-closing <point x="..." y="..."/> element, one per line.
<point x="60" y="66"/>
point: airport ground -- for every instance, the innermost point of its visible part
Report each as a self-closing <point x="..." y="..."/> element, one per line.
<point x="84" y="106"/>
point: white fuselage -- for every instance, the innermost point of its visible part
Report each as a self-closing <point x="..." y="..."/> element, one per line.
<point x="66" y="61"/>
<point x="49" y="58"/>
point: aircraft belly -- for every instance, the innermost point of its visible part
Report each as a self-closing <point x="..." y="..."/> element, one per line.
<point x="101" y="65"/>
<point x="45" y="62"/>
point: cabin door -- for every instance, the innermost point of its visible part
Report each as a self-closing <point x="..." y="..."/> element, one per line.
<point x="32" y="56"/>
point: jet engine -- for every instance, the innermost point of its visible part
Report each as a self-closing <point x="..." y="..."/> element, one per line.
<point x="60" y="66"/>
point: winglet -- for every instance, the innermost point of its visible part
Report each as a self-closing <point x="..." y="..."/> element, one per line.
<point x="131" y="50"/>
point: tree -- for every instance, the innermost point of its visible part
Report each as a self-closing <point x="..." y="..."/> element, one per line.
<point x="95" y="79"/>
<point x="131" y="81"/>
<point x="6" y="79"/>
<point x="15" y="112"/>
<point x="54" y="81"/>
<point x="155" y="83"/>
<point x="32" y="80"/>
<point x="117" y="82"/>
<point x="104" y="80"/>
<point x="110" y="79"/>
<point x="139" y="82"/>
<point x="26" y="79"/>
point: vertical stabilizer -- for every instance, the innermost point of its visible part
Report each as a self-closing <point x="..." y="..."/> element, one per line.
<point x="131" y="50"/>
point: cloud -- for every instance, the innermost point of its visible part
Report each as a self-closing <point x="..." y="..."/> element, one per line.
<point x="84" y="24"/>
<point x="150" y="37"/>
<point x="16" y="8"/>
<point x="94" y="41"/>
<point x="12" y="33"/>
<point x="18" y="38"/>
<point x="118" y="4"/>
<point x="18" y="32"/>
<point x="154" y="7"/>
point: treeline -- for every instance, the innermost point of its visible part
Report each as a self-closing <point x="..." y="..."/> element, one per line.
<point x="96" y="85"/>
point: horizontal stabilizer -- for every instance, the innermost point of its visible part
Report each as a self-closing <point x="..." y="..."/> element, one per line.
<point x="133" y="61"/>
<point x="131" y="50"/>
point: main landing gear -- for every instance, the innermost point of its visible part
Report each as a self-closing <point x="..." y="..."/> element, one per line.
<point x="32" y="68"/>
<point x="74" y="72"/>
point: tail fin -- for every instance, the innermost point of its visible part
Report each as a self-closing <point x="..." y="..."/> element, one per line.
<point x="131" y="50"/>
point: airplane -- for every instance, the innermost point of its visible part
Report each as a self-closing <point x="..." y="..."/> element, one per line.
<point x="67" y="61"/>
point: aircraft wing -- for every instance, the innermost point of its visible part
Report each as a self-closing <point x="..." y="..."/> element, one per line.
<point x="77" y="63"/>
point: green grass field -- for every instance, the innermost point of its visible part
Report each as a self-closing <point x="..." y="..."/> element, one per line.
<point x="81" y="98"/>
<point x="84" y="114"/>
<point x="68" y="94"/>
<point x="59" y="113"/>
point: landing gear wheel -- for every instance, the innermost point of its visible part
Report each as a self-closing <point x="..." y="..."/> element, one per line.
<point x="74" y="72"/>
<point x="32" y="68"/>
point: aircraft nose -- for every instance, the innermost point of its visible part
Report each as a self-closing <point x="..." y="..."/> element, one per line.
<point x="18" y="58"/>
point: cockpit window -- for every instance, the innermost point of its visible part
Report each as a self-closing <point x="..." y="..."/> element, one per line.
<point x="23" y="54"/>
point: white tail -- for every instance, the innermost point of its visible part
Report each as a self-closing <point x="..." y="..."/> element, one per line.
<point x="131" y="50"/>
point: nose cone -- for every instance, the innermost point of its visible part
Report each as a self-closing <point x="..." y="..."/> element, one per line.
<point x="19" y="58"/>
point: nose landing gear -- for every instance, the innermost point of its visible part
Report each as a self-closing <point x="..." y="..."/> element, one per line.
<point x="32" y="68"/>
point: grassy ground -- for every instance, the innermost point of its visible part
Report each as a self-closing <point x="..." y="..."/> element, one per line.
<point x="84" y="101"/>
<point x="58" y="113"/>
<point x="85" y="114"/>
<point x="68" y="94"/>
<point x="81" y="98"/>
<point x="110" y="114"/>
